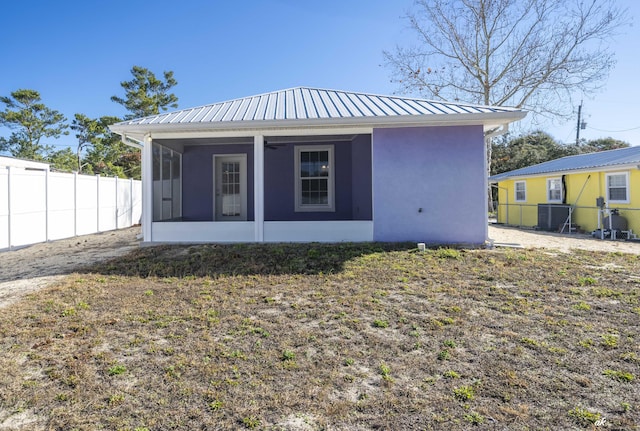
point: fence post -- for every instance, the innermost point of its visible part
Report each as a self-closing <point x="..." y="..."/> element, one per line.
<point x="520" y="215"/>
<point x="46" y="205"/>
<point x="116" y="202"/>
<point x="131" y="201"/>
<point x="97" y="202"/>
<point x="75" y="204"/>
<point x="9" y="207"/>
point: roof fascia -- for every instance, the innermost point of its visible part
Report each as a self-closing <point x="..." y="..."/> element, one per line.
<point x="267" y="127"/>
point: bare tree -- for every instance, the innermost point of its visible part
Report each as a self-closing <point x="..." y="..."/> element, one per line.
<point x="529" y="54"/>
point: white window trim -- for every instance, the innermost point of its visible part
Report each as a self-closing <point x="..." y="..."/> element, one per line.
<point x="549" y="189"/>
<point x="515" y="191"/>
<point x="299" y="207"/>
<point x="606" y="185"/>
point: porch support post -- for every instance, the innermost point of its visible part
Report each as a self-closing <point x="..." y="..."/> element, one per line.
<point x="147" y="188"/>
<point x="258" y="186"/>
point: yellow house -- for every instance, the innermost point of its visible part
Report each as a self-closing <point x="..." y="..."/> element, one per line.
<point x="589" y="192"/>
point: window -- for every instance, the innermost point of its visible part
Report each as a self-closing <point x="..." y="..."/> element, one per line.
<point x="617" y="188"/>
<point x="314" y="178"/>
<point x="521" y="191"/>
<point x="554" y="190"/>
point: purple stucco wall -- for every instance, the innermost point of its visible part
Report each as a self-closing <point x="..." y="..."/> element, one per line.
<point x="197" y="179"/>
<point x="352" y="182"/>
<point x="437" y="169"/>
<point x="361" y="205"/>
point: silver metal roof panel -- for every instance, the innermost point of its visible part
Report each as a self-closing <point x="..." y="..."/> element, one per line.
<point x="303" y="103"/>
<point x="602" y="159"/>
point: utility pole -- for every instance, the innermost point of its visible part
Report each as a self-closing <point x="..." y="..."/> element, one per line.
<point x="581" y="124"/>
<point x="578" y="126"/>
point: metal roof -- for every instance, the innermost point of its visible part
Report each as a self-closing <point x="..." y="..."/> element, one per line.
<point x="590" y="161"/>
<point x="309" y="107"/>
<point x="303" y="103"/>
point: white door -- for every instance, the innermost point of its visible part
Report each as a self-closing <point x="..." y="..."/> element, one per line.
<point x="230" y="187"/>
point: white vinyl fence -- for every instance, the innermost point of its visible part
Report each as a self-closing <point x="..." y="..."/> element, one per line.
<point x="38" y="205"/>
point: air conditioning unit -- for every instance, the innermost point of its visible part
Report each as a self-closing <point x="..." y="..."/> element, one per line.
<point x="551" y="217"/>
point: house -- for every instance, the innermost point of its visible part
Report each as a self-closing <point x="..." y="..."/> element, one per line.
<point x="6" y="162"/>
<point x="307" y="164"/>
<point x="587" y="186"/>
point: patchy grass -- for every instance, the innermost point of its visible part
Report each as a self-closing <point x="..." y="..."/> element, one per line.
<point x="311" y="337"/>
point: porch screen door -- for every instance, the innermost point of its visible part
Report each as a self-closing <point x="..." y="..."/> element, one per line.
<point x="230" y="186"/>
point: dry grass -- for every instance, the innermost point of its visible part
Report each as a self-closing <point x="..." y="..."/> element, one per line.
<point x="341" y="337"/>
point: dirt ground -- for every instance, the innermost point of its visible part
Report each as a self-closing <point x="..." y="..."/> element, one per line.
<point x="27" y="269"/>
<point x="30" y="268"/>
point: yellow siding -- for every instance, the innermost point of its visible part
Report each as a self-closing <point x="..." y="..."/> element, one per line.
<point x="586" y="213"/>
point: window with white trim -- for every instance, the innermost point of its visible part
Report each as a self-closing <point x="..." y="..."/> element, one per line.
<point x="521" y="191"/>
<point x="618" y="188"/>
<point x="314" y="178"/>
<point x="554" y="190"/>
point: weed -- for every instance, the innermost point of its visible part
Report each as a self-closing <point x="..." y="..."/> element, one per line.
<point x="604" y="292"/>
<point x="630" y="357"/>
<point x="558" y="350"/>
<point x="385" y="371"/>
<point x="116" y="399"/>
<point x="451" y="374"/>
<point x="587" y="281"/>
<point x="584" y="417"/>
<point x="582" y="306"/>
<point x="464" y="393"/>
<point x="626" y="407"/>
<point x="216" y="405"/>
<point x="62" y="397"/>
<point x="587" y="343"/>
<point x="621" y="376"/>
<point x="238" y="354"/>
<point x="474" y="418"/>
<point x="450" y="343"/>
<point x="349" y="362"/>
<point x="378" y="323"/>
<point x="69" y="312"/>
<point x="288" y="355"/>
<point x="609" y="341"/>
<point x="117" y="370"/>
<point x="529" y="342"/>
<point x="448" y="253"/>
<point x="148" y="292"/>
<point x="251" y="422"/>
<point x="444" y="355"/>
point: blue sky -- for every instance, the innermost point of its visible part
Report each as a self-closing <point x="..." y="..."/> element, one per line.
<point x="76" y="53"/>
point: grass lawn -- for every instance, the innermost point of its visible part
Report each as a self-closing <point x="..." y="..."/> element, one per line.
<point x="335" y="337"/>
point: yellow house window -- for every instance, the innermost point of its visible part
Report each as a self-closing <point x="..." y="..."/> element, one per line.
<point x="554" y="190"/>
<point x="521" y="191"/>
<point x="618" y="188"/>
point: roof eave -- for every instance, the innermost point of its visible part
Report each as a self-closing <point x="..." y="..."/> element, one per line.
<point x="488" y="120"/>
<point x="594" y="169"/>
